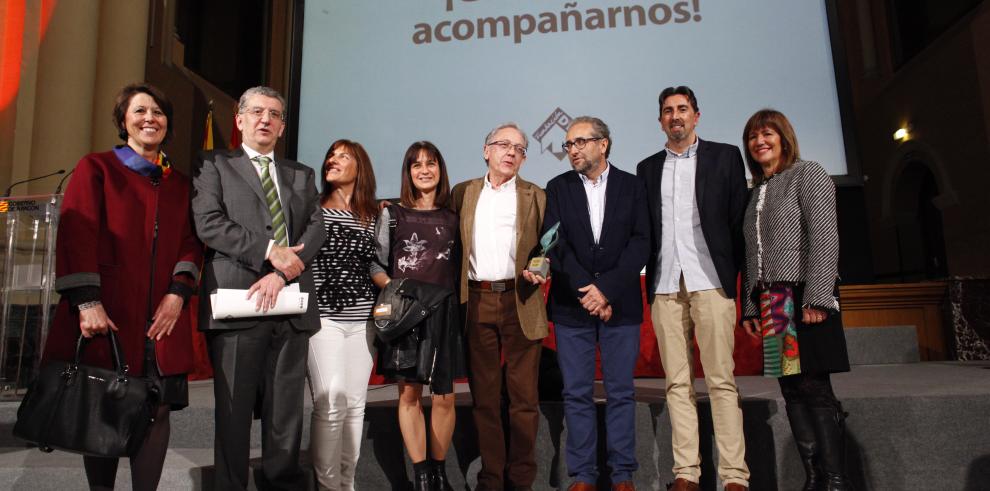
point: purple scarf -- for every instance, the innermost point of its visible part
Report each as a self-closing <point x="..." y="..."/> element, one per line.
<point x="137" y="163"/>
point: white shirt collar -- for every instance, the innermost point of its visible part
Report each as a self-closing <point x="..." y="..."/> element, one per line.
<point x="509" y="185"/>
<point x="252" y="153"/>
<point x="689" y="153"/>
<point x="601" y="178"/>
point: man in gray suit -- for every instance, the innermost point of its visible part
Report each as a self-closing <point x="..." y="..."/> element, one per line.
<point x="259" y="218"/>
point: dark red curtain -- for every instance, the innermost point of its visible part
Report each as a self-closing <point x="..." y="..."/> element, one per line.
<point x="748" y="353"/>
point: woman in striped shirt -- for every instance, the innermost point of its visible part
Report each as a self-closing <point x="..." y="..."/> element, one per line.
<point x="341" y="353"/>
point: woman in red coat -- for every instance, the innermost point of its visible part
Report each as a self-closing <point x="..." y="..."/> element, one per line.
<point x="127" y="259"/>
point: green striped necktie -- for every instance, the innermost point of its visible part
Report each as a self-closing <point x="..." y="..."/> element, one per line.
<point x="271" y="195"/>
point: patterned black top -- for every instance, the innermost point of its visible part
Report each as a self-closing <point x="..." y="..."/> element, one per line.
<point x="341" y="271"/>
<point x="425" y="246"/>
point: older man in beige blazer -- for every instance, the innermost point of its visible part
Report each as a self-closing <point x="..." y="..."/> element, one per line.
<point x="501" y="217"/>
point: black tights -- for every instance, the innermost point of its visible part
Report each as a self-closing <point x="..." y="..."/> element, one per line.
<point x="146" y="465"/>
<point x="811" y="390"/>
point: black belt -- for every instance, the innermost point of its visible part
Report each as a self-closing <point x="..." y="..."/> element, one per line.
<point x="493" y="286"/>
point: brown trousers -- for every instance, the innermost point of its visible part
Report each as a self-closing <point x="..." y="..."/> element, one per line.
<point x="495" y="337"/>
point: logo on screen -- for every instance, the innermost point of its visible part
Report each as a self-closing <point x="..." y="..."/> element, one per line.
<point x="553" y="132"/>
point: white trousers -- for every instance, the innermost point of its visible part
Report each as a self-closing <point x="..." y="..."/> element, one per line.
<point x="340" y="362"/>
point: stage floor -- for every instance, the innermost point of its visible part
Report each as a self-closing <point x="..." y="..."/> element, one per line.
<point x="911" y="426"/>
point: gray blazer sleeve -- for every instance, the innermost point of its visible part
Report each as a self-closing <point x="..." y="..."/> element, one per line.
<point x="314" y="234"/>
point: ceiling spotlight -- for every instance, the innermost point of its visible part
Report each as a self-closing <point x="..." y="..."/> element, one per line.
<point x="903" y="133"/>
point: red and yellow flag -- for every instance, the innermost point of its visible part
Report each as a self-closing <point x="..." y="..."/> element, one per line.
<point x="208" y="137"/>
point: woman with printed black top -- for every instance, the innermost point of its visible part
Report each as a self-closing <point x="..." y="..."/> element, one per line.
<point x="341" y="353"/>
<point x="417" y="239"/>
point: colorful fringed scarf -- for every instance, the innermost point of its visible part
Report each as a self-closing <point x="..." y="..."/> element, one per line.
<point x="781" y="356"/>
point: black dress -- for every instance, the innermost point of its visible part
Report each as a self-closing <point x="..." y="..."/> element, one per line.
<point x="423" y="245"/>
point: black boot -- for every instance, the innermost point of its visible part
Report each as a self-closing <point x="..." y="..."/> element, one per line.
<point x="830" y="435"/>
<point x="438" y="476"/>
<point x="421" y="479"/>
<point x="804" y="436"/>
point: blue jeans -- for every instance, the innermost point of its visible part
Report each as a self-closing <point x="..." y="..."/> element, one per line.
<point x="619" y="347"/>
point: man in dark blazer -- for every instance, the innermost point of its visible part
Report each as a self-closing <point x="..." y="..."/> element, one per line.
<point x="696" y="194"/>
<point x="259" y="219"/>
<point x="595" y="298"/>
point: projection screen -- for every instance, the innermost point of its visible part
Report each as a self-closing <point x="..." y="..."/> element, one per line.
<point x="387" y="73"/>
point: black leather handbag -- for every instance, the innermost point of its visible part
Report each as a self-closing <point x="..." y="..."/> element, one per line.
<point x="396" y="311"/>
<point x="88" y="410"/>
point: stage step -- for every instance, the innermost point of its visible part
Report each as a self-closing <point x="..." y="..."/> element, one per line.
<point x="882" y="345"/>
<point x="909" y="425"/>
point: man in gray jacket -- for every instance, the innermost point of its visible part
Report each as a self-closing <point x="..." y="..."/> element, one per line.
<point x="259" y="219"/>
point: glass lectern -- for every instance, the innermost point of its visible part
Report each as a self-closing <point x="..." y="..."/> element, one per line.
<point x="28" y="225"/>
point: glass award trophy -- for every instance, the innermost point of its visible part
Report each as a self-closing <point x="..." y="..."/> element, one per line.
<point x="539" y="265"/>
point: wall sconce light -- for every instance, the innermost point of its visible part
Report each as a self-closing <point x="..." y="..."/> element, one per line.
<point x="903" y="133"/>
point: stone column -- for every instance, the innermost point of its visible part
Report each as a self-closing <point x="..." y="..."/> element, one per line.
<point x="121" y="51"/>
<point x="63" y="92"/>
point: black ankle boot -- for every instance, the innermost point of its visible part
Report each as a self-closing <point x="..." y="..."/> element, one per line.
<point x="438" y="476"/>
<point x="830" y="436"/>
<point x="804" y="437"/>
<point x="423" y="473"/>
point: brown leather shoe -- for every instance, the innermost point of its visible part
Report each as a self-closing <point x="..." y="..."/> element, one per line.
<point x="735" y="487"/>
<point x="581" y="486"/>
<point x="681" y="484"/>
<point x="624" y="486"/>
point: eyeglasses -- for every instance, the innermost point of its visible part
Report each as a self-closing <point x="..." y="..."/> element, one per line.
<point x="259" y="112"/>
<point x="579" y="143"/>
<point x="504" y="145"/>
